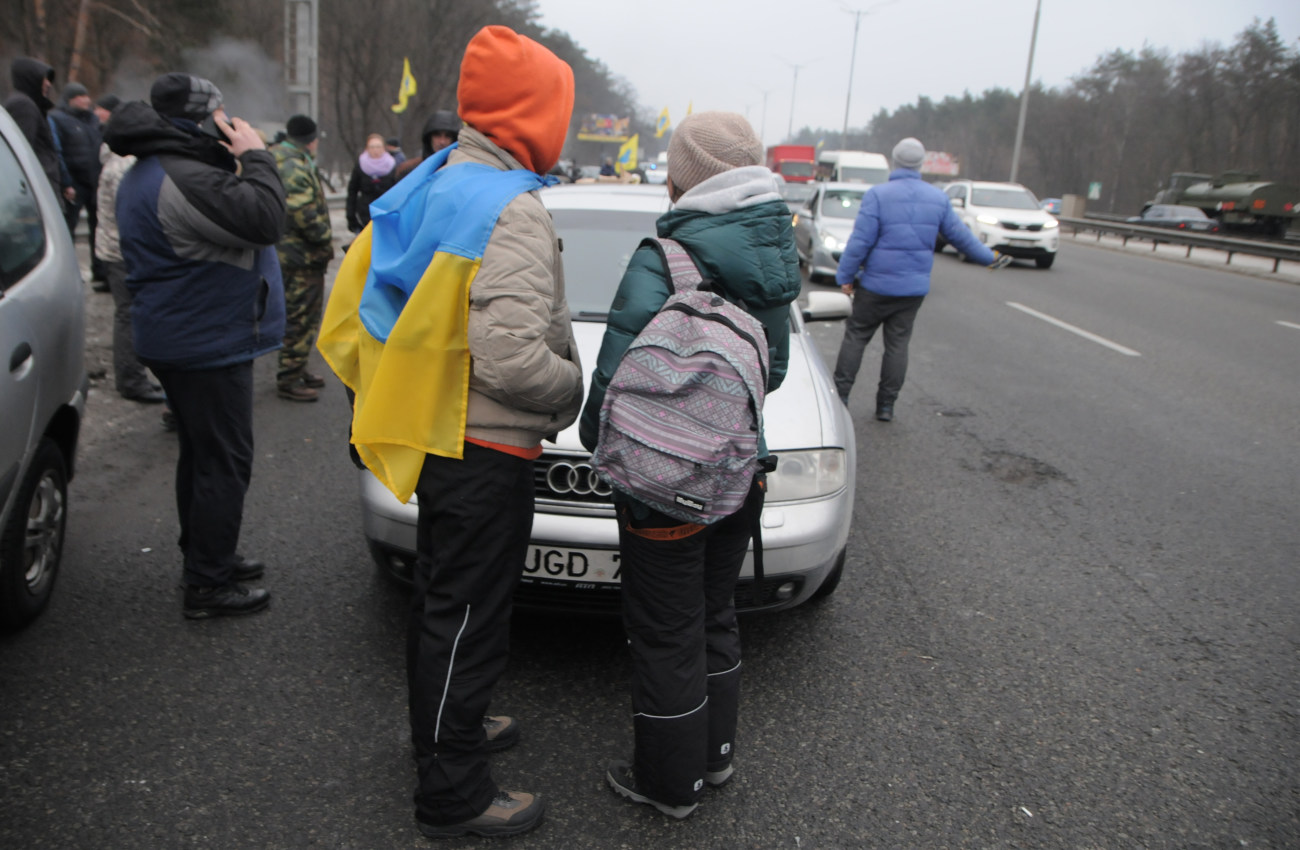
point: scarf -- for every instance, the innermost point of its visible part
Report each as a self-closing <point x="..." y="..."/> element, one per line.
<point x="377" y="167"/>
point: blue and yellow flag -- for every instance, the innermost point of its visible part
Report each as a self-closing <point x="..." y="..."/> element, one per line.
<point x="626" y="160"/>
<point x="662" y="125"/>
<point x="395" y="330"/>
<point x="406" y="88"/>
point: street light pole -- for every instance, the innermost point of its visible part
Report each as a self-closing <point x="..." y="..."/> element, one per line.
<point x="853" y="59"/>
<point x="1024" y="96"/>
<point x="789" y="131"/>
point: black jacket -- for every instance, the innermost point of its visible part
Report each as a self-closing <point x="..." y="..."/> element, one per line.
<point x="79" y="136"/>
<point x="28" y="107"/>
<point x="363" y="190"/>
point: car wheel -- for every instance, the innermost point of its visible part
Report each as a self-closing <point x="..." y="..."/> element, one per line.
<point x="31" y="544"/>
<point x="832" y="579"/>
<point x="1045" y="262"/>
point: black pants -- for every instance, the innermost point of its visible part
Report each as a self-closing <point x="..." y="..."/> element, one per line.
<point x="475" y="520"/>
<point x="680" y="616"/>
<point x="129" y="375"/>
<point x="214" y="422"/>
<point x="870" y="311"/>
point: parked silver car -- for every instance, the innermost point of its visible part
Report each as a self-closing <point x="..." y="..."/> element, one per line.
<point x="823" y="225"/>
<point x="43" y="388"/>
<point x="573" y="563"/>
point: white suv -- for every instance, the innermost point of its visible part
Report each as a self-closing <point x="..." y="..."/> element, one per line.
<point x="1007" y="218"/>
<point x="43" y="387"/>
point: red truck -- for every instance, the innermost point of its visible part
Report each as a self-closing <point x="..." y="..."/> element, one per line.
<point x="796" y="163"/>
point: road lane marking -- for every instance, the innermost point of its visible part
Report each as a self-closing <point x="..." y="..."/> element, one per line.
<point x="1289" y="325"/>
<point x="1100" y="340"/>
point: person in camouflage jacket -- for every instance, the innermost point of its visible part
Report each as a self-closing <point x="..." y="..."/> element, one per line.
<point x="305" y="251"/>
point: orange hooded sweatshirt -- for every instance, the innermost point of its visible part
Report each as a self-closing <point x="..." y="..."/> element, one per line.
<point x="518" y="94"/>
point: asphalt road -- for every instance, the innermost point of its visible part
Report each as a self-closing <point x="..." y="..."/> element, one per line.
<point x="1068" y="621"/>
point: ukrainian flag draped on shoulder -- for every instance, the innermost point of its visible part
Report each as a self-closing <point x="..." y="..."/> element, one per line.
<point x="396" y="327"/>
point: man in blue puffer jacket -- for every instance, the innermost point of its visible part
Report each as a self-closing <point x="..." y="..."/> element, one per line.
<point x="888" y="259"/>
<point x="199" y="215"/>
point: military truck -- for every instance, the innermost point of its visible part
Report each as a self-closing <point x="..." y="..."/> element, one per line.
<point x="1239" y="199"/>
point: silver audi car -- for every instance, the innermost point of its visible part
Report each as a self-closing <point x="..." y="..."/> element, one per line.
<point x="573" y="563"/>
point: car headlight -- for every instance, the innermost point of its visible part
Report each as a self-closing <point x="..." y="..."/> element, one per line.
<point x="806" y="475"/>
<point x="794" y="220"/>
<point x="831" y="243"/>
<point x="1051" y="224"/>
<point x="987" y="219"/>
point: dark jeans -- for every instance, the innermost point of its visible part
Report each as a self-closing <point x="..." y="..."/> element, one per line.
<point x="870" y="311"/>
<point x="129" y="374"/>
<point x="680" y="617"/>
<point x="475" y="520"/>
<point x="214" y="422"/>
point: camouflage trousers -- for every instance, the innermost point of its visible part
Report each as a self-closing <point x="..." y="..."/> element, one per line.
<point x="304" y="298"/>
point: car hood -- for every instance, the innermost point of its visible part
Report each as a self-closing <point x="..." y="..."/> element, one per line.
<point x="793" y="416"/>
<point x="1018" y="216"/>
<point x="840" y="228"/>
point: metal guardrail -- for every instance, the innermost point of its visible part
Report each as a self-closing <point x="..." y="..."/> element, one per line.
<point x="1275" y="251"/>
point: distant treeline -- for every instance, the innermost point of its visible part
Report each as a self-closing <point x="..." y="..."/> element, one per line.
<point x="1128" y="122"/>
<point x="361" y="48"/>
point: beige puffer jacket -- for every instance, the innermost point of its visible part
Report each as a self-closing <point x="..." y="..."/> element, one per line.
<point x="107" y="244"/>
<point x="525" y="382"/>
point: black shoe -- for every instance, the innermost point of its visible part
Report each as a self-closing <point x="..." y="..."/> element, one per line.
<point x="502" y="733"/>
<point x="885" y="412"/>
<point x="316" y="382"/>
<point x="510" y="813"/>
<point x="246" y="570"/>
<point x="149" y="396"/>
<point x="620" y="777"/>
<point x="100" y="286"/>
<point x="297" y="392"/>
<point x="230" y="600"/>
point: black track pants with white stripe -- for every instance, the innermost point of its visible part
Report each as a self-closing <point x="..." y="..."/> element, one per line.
<point x="476" y="515"/>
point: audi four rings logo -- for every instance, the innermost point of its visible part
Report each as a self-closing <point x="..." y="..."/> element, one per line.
<point x="579" y="479"/>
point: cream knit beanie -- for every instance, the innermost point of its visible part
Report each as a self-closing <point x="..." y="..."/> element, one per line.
<point x="708" y="143"/>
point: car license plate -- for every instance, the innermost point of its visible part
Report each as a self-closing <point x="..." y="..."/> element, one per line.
<point x="1023" y="242"/>
<point x="581" y="566"/>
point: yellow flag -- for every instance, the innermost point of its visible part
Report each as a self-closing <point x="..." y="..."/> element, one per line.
<point x="627" y="154"/>
<point x="407" y="87"/>
<point x="662" y="125"/>
<point x="689" y="104"/>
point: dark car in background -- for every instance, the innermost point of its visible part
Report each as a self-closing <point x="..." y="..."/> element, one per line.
<point x="43" y="386"/>
<point x="1176" y="217"/>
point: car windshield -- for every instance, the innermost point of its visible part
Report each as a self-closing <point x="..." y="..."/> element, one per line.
<point x="597" y="246"/>
<point x="864" y="175"/>
<point x="841" y="203"/>
<point x="1009" y="198"/>
<point x="797" y="169"/>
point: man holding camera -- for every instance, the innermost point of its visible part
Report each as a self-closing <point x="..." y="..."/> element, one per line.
<point x="199" y="215"/>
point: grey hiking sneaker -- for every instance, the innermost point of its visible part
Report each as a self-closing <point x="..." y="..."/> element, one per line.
<point x="511" y="813"/>
<point x="502" y="733"/>
<point x="620" y="777"/>
<point x="718" y="778"/>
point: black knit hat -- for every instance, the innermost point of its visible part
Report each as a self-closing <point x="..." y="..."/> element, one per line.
<point x="109" y="102"/>
<point x="72" y="90"/>
<point x="178" y="95"/>
<point x="300" y="129"/>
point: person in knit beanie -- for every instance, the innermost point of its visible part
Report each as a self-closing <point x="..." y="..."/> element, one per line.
<point x="886" y="268"/>
<point x="677" y="577"/>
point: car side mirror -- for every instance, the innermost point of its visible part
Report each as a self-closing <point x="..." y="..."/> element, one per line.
<point x="959" y="202"/>
<point x="827" y="307"/>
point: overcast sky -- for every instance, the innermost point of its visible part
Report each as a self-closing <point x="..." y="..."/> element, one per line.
<point x="723" y="54"/>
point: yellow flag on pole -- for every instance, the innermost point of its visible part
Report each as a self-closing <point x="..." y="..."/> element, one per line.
<point x="662" y="125"/>
<point x="689" y="105"/>
<point x="406" y="89"/>
<point x="627" y="154"/>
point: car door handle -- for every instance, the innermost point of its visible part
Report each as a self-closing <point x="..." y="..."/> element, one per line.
<point x="20" y="356"/>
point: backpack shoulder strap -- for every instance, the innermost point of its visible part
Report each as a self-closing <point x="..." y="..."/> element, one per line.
<point x="683" y="274"/>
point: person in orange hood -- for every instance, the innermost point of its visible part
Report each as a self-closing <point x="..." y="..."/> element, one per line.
<point x="524" y="383"/>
